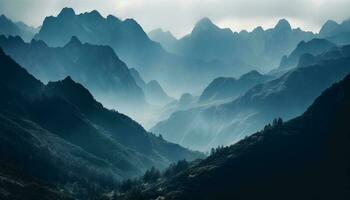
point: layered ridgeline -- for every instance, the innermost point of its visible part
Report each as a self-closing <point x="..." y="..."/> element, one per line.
<point x="304" y="158"/>
<point x="313" y="47"/>
<point x="96" y="67"/>
<point x="337" y="33"/>
<point x="259" y="49"/>
<point x="60" y="135"/>
<point x="226" y="89"/>
<point x="132" y="45"/>
<point x="286" y="97"/>
<point x="8" y="27"/>
<point x="154" y="92"/>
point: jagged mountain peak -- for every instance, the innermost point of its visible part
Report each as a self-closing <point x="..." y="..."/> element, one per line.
<point x="113" y="18"/>
<point x="38" y="43"/>
<point x="330" y="23"/>
<point x="74" y="41"/>
<point x="68" y="79"/>
<point x="68" y="12"/>
<point x="72" y="91"/>
<point x="10" y="37"/>
<point x="252" y="73"/>
<point x="159" y="31"/>
<point x="283" y="24"/>
<point x="328" y="28"/>
<point x="94" y="13"/>
<point x="204" y="24"/>
<point x="3" y="17"/>
<point x="258" y="29"/>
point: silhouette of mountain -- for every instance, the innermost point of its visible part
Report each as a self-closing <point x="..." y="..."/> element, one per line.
<point x="7" y="28"/>
<point x="154" y="93"/>
<point x="59" y="134"/>
<point x="286" y="97"/>
<point x="227" y="89"/>
<point x="304" y="158"/>
<point x="129" y="41"/>
<point x="313" y="47"/>
<point x="244" y="51"/>
<point x="210" y="43"/>
<point x="165" y="38"/>
<point x="96" y="67"/>
<point x="337" y="33"/>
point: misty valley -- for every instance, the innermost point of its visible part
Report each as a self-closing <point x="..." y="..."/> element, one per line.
<point x="93" y="106"/>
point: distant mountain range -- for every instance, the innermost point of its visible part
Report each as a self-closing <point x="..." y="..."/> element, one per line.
<point x="131" y="44"/>
<point x="61" y="139"/>
<point x="286" y="97"/>
<point x="8" y="27"/>
<point x="59" y="134"/>
<point x="304" y="158"/>
<point x="259" y="49"/>
<point x="187" y="64"/>
<point x="313" y="47"/>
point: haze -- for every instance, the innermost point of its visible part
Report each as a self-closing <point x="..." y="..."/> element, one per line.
<point x="178" y="16"/>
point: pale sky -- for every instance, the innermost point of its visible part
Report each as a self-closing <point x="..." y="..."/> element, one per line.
<point x="179" y="16"/>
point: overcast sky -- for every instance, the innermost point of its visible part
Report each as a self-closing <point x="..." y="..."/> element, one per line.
<point x="179" y="16"/>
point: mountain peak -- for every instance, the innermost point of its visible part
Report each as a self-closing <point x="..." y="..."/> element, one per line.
<point x="74" y="41"/>
<point x="328" y="28"/>
<point x="3" y="17"/>
<point x="330" y="22"/>
<point x="204" y="24"/>
<point x="94" y="14"/>
<point x="258" y="29"/>
<point x="283" y="24"/>
<point x="67" y="12"/>
<point x="112" y="18"/>
<point x="68" y="79"/>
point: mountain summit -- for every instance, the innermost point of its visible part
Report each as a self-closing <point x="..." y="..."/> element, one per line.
<point x="283" y="24"/>
<point x="67" y="12"/>
<point x="205" y="24"/>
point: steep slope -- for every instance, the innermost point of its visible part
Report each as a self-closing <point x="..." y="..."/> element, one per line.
<point x="137" y="77"/>
<point x="126" y="131"/>
<point x="337" y="33"/>
<point x="154" y="92"/>
<point x="32" y="151"/>
<point x="7" y="28"/>
<point x="304" y="158"/>
<point x="132" y="45"/>
<point x="313" y="47"/>
<point x="165" y="38"/>
<point x="223" y="89"/>
<point x="93" y="143"/>
<point x="97" y="67"/>
<point x="284" y="97"/>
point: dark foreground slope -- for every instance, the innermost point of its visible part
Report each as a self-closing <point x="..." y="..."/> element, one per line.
<point x="59" y="134"/>
<point x="304" y="158"/>
<point x="97" y="67"/>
